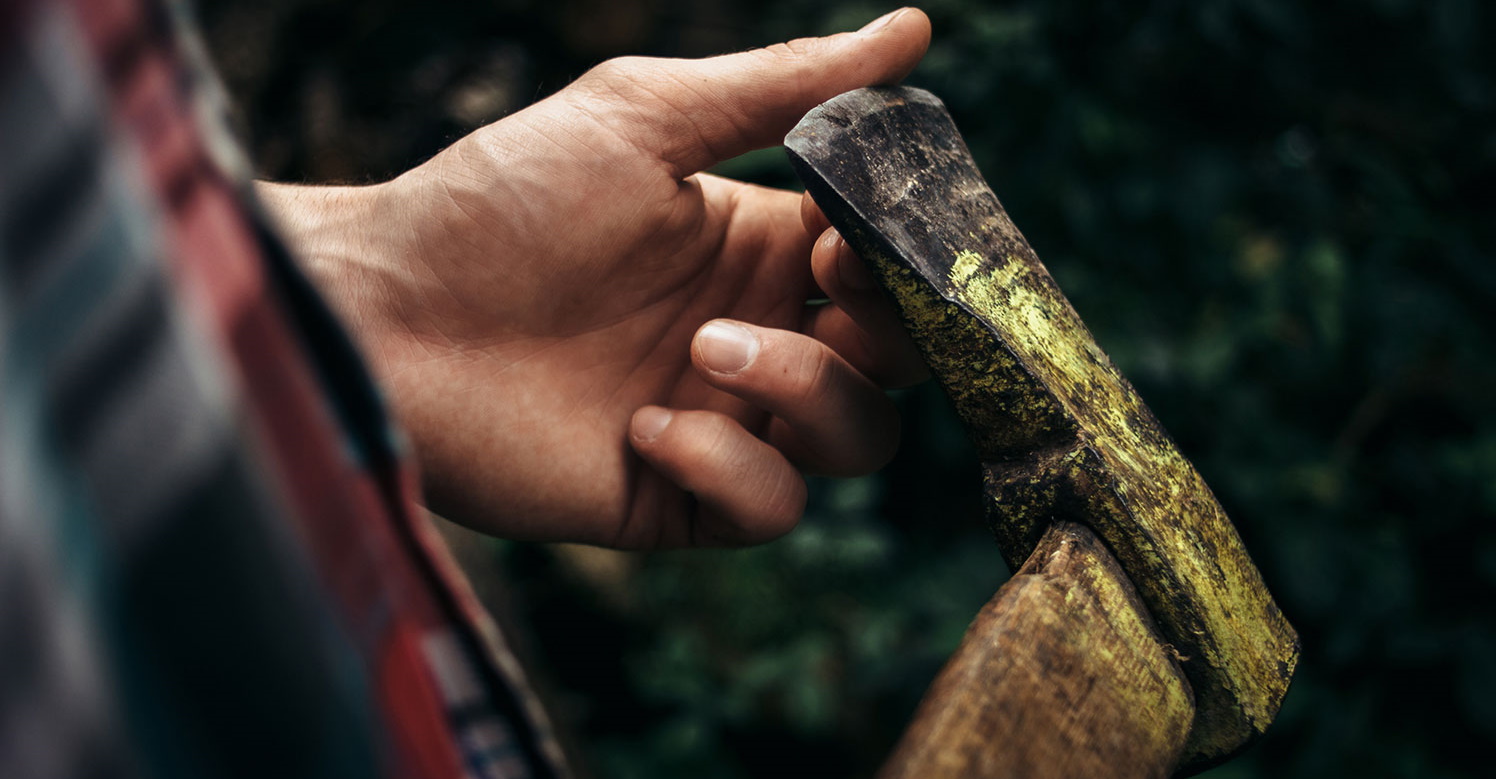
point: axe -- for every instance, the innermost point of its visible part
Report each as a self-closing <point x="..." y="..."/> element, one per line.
<point x="1136" y="637"/>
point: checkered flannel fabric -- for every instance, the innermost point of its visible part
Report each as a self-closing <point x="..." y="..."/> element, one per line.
<point x="211" y="563"/>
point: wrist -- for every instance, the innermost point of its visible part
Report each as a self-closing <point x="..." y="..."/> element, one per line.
<point x="346" y="240"/>
<point x="328" y="229"/>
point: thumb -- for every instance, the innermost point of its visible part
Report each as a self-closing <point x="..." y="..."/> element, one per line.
<point x="692" y="114"/>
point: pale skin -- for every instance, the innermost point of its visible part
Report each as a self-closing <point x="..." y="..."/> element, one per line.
<point x="587" y="339"/>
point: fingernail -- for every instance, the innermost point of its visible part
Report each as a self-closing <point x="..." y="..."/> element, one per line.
<point x="650" y="421"/>
<point x="853" y="271"/>
<point x="726" y="347"/>
<point x="879" y="23"/>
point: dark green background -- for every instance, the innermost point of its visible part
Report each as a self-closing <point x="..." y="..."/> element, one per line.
<point x="1276" y="217"/>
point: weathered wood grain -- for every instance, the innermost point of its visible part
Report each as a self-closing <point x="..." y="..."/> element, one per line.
<point x="1061" y="675"/>
<point x="1061" y="433"/>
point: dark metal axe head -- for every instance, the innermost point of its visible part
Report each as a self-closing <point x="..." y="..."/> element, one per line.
<point x="1062" y="435"/>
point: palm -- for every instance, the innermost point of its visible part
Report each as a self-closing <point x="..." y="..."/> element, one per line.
<point x="560" y="358"/>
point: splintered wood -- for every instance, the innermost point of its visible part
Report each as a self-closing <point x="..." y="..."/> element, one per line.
<point x="1061" y="675"/>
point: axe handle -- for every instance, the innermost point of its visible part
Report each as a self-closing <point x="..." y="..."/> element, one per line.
<point x="1062" y="674"/>
<point x="1061" y="433"/>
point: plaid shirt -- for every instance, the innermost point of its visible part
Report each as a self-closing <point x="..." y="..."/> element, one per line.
<point x="211" y="562"/>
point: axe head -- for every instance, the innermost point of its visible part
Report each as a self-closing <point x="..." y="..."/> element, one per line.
<point x="1062" y="435"/>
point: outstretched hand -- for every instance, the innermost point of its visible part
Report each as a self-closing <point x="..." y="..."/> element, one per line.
<point x="588" y="339"/>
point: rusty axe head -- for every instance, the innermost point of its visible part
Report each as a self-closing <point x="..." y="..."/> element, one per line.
<point x="1062" y="435"/>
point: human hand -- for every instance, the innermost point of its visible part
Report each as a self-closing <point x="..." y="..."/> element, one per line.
<point x="590" y="340"/>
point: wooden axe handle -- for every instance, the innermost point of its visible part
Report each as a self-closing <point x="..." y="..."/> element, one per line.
<point x="1062" y="674"/>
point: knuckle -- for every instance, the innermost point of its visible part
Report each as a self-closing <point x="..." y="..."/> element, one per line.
<point x="793" y="51"/>
<point x="615" y="69"/>
<point x="711" y="439"/>
<point x="784" y="504"/>
<point x="815" y="376"/>
<point x="620" y="76"/>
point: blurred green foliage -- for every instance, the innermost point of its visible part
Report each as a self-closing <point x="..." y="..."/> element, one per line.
<point x="1276" y="216"/>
